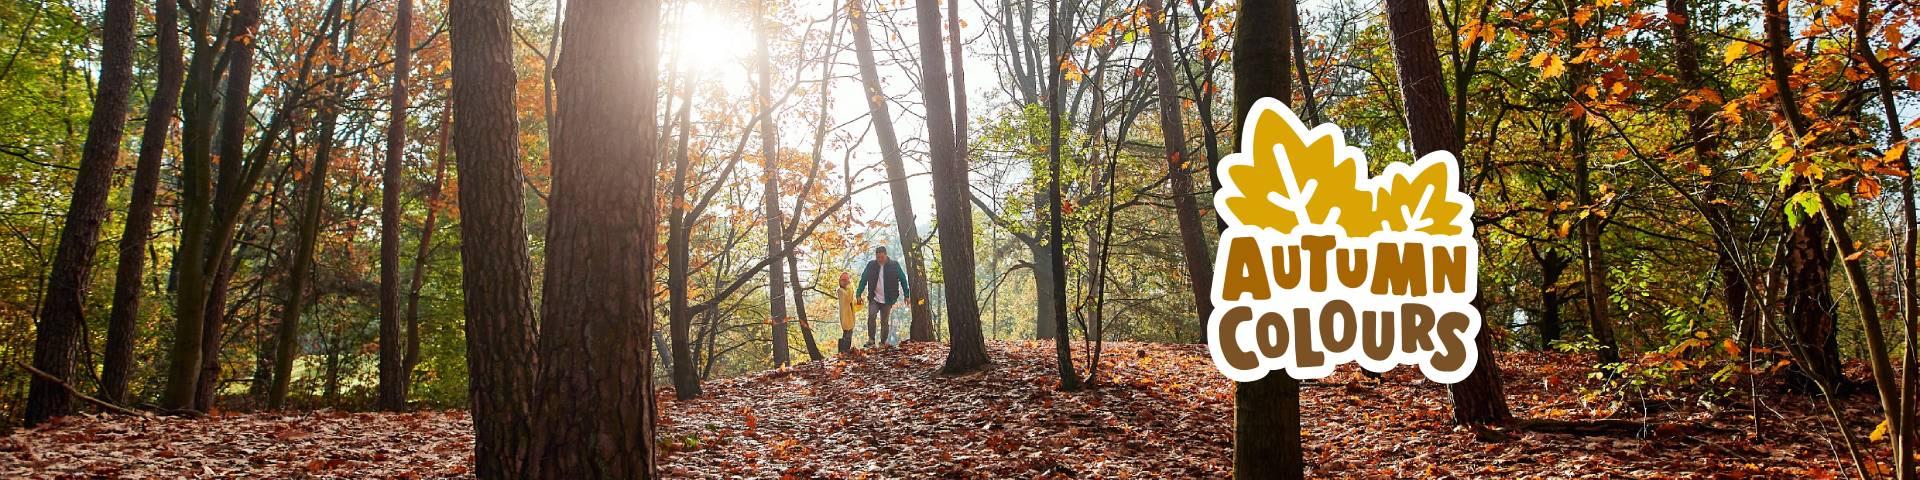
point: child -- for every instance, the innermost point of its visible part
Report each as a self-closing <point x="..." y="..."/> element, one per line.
<point x="848" y="302"/>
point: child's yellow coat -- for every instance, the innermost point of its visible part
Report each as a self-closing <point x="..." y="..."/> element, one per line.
<point x="847" y="305"/>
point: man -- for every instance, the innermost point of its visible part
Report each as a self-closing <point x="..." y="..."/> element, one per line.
<point x="848" y="303"/>
<point x="889" y="283"/>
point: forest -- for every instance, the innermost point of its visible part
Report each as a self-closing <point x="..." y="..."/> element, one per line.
<point x="651" y="238"/>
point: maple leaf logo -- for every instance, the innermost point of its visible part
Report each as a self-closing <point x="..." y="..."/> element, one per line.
<point x="1287" y="175"/>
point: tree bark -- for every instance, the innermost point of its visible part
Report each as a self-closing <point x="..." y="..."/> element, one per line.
<point x="1481" y="397"/>
<point x="968" y="348"/>
<point x="393" y="372"/>
<point x="123" y="323"/>
<point x="686" y="377"/>
<point x="313" y="194"/>
<point x="903" y="218"/>
<point x="1598" y="294"/>
<point x="1266" y="412"/>
<point x="1193" y="240"/>
<point x="493" y="239"/>
<point x="596" y="389"/>
<point x="1056" y="256"/>
<point x="423" y="253"/>
<point x="922" y="328"/>
<point x="62" y="321"/>
<point x="1702" y="139"/>
<point x="770" y="166"/>
<point x="1809" y="296"/>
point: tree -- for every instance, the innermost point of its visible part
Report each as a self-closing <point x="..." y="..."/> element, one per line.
<point x="1266" y="412"/>
<point x="1593" y="266"/>
<point x="595" y="398"/>
<point x="968" y="350"/>
<point x="393" y="372"/>
<point x="903" y="218"/>
<point x="1480" y="398"/>
<point x="496" y="281"/>
<point x="1193" y="241"/>
<point x="123" y="322"/>
<point x="770" y="166"/>
<point x="61" y="322"/>
<point x="1056" y="241"/>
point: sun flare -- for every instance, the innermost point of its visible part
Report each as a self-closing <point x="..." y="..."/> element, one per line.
<point x="707" y="41"/>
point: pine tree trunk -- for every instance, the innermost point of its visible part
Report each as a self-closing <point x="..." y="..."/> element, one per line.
<point x="1481" y="397"/>
<point x="123" y="323"/>
<point x="393" y="373"/>
<point x="493" y="239"/>
<point x="968" y="348"/>
<point x="1266" y="412"/>
<point x="903" y="218"/>
<point x="62" y="321"/>
<point x="596" y="391"/>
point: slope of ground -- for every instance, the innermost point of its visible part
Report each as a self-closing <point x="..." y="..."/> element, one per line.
<point x="1159" y="411"/>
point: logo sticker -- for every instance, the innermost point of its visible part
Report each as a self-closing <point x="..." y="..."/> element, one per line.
<point x="1323" y="264"/>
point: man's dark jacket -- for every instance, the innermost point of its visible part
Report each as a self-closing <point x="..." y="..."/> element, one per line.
<point x="896" y="281"/>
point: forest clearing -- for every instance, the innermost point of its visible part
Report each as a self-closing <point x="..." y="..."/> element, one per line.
<point x="887" y="415"/>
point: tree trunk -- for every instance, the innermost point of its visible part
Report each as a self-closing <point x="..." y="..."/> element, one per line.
<point x="1193" y="241"/>
<point x="313" y="196"/>
<point x="686" y="377"/>
<point x="213" y="323"/>
<point x="1056" y="256"/>
<point x="393" y="372"/>
<point x="423" y="253"/>
<point x="903" y="218"/>
<point x="1481" y="397"/>
<point x="1552" y="266"/>
<point x="1266" y="412"/>
<point x="62" y="323"/>
<point x="770" y="166"/>
<point x="1045" y="326"/>
<point x="968" y="350"/>
<point x="1702" y="139"/>
<point x="800" y="309"/>
<point x="1809" y="298"/>
<point x="1598" y="294"/>
<point x="596" y="373"/>
<point x="123" y="323"/>
<point x="493" y="239"/>
<point x="922" y="328"/>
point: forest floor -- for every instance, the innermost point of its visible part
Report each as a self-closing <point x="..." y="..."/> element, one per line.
<point x="1157" y="411"/>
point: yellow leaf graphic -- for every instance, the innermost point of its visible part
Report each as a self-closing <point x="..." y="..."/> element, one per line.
<point x="1287" y="175"/>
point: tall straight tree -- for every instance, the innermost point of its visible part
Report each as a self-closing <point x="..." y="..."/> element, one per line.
<point x="903" y="219"/>
<point x="1056" y="239"/>
<point x="199" y="102"/>
<point x="596" y="372"/>
<point x="922" y="330"/>
<point x="495" y="282"/>
<point x="1481" y="397"/>
<point x="968" y="350"/>
<point x="1266" y="412"/>
<point x="1598" y="293"/>
<point x="123" y="322"/>
<point x="1193" y="241"/>
<point x="770" y="168"/>
<point x="686" y="377"/>
<point x="61" y="324"/>
<point x="393" y="372"/>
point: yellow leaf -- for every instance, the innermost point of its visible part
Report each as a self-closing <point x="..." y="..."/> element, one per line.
<point x="1288" y="176"/>
<point x="1552" y="67"/>
<point x="1735" y="50"/>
